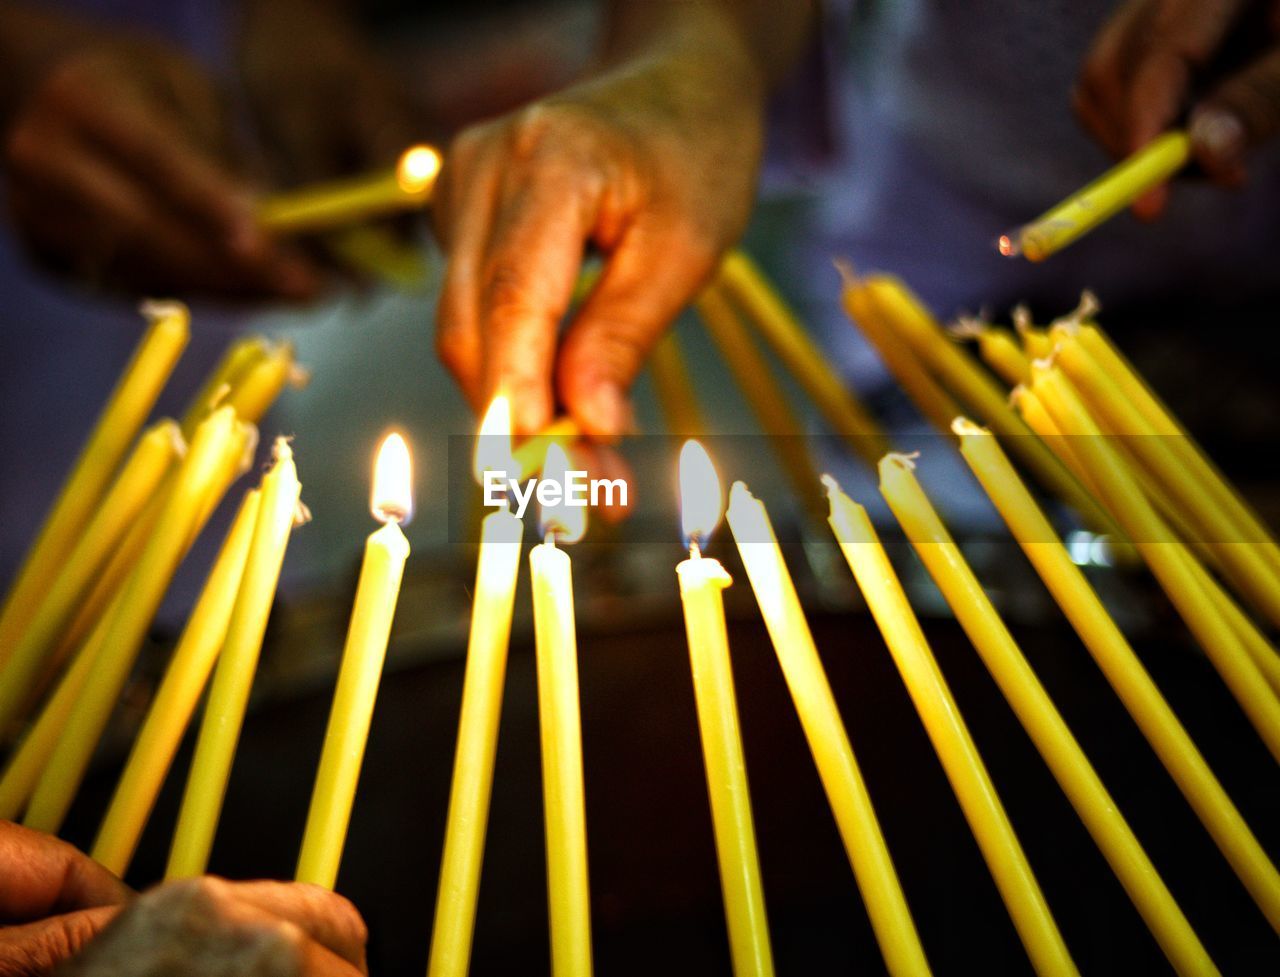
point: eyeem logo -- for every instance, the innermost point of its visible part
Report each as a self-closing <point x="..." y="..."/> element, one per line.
<point x="576" y="490"/>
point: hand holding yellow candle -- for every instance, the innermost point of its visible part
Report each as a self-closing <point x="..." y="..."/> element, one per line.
<point x="701" y="582"/>
<point x="950" y="736"/>
<point x="237" y="662"/>
<point x="820" y="716"/>
<point x="385" y="554"/>
<point x="560" y="722"/>
<point x="495" y="593"/>
<point x="1040" y="718"/>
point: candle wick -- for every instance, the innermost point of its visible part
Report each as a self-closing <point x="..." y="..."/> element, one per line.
<point x="550" y="538"/>
<point x="695" y="550"/>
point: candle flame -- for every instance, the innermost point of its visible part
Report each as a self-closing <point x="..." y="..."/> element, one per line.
<point x="417" y="169"/>
<point x="1008" y="246"/>
<point x="701" y="497"/>
<point x="391" y="499"/>
<point x="566" y="523"/>
<point x="493" y="444"/>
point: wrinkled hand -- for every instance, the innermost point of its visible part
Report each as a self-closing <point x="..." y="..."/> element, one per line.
<point x="53" y="900"/>
<point x="653" y="163"/>
<point x="209" y="927"/>
<point x="117" y="170"/>
<point x="325" y="105"/>
<point x="1153" y="56"/>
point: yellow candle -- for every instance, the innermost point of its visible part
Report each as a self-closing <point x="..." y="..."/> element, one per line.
<point x="1243" y="560"/>
<point x="937" y="406"/>
<point x="495" y="593"/>
<point x="559" y="719"/>
<point x="855" y="816"/>
<point x="1166" y="557"/>
<point x="175" y="699"/>
<point x="124" y="414"/>
<point x="915" y="325"/>
<point x="381" y="254"/>
<point x="950" y="736"/>
<point x="139" y="600"/>
<point x="701" y="583"/>
<point x="233" y="675"/>
<point x="141" y="474"/>
<point x="1100" y="200"/>
<point x="673" y="387"/>
<point x="407" y="186"/>
<point x="255" y="392"/>
<point x="239" y="358"/>
<point x="369" y="632"/>
<point x="1040" y="718"/>
<point x="1122" y="668"/>
<point x="763" y="393"/>
<point x="999" y="349"/>
<point x="777" y="324"/>
<point x="1036" y="343"/>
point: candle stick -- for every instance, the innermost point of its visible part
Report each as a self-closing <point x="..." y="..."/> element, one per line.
<point x="949" y="735"/>
<point x="1100" y="200"/>
<point x="491" y="611"/>
<point x="1035" y="339"/>
<point x="1040" y="718"/>
<point x="999" y="349"/>
<point x="561" y="733"/>
<point x="175" y="699"/>
<point x="366" y="649"/>
<point x="762" y="391"/>
<point x="253" y="393"/>
<point x="340" y="203"/>
<point x="126" y="410"/>
<point x="153" y="456"/>
<point x="829" y="742"/>
<point x="138" y="602"/>
<point x="702" y="581"/>
<point x="1166" y="557"/>
<point x="1243" y="559"/>
<point x="781" y="330"/>
<point x="240" y="357"/>
<point x="673" y="387"/>
<point x="233" y="675"/>
<point x="1122" y="667"/>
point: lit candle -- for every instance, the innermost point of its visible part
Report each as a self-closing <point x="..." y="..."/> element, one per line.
<point x="763" y="393"/>
<point x="791" y="343"/>
<point x="1039" y="717"/>
<point x="701" y="582"/>
<point x="1163" y="553"/>
<point x="408" y="186"/>
<point x="495" y="593"/>
<point x="949" y="734"/>
<point x="673" y="387"/>
<point x="345" y="738"/>
<point x="864" y="843"/>
<point x="126" y="411"/>
<point x="155" y="454"/>
<point x="532" y="454"/>
<point x="560" y="722"/>
<point x="175" y="699"/>
<point x="178" y="524"/>
<point x="1122" y="667"/>
<point x="1100" y="200"/>
<point x="237" y="662"/>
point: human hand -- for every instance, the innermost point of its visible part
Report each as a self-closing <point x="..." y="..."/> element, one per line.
<point x="325" y="106"/>
<point x="209" y="927"/>
<point x="117" y="161"/>
<point x="653" y="162"/>
<point x="1154" y="58"/>
<point x="53" y="900"/>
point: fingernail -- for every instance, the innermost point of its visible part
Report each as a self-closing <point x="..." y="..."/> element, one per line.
<point x="609" y="410"/>
<point x="1219" y="133"/>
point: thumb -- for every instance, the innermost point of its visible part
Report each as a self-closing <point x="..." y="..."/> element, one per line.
<point x="38" y="948"/>
<point x="648" y="279"/>
<point x="1242" y="112"/>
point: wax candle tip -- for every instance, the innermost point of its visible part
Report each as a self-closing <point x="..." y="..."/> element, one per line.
<point x="155" y="309"/>
<point x="301" y="514"/>
<point x="1022" y="323"/>
<point x="962" y="426"/>
<point x="906" y="461"/>
<point x="967" y="327"/>
<point x="830" y="483"/>
<point x="848" y="274"/>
